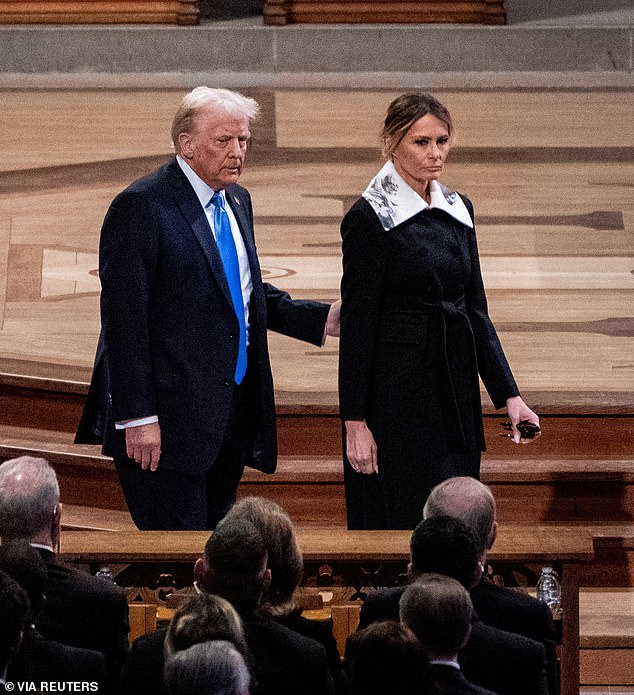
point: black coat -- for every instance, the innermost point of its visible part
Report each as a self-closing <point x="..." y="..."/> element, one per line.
<point x="451" y="681"/>
<point x="168" y="345"/>
<point x="85" y="611"/>
<point x="415" y="334"/>
<point x="283" y="662"/>
<point x="515" y="611"/>
<point x="500" y="661"/>
<point x="41" y="659"/>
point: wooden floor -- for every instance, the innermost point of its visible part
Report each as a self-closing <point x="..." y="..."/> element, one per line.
<point x="551" y="175"/>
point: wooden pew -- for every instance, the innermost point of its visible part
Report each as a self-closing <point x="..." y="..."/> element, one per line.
<point x="355" y="556"/>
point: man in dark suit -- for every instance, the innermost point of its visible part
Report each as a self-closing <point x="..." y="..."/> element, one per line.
<point x="80" y="610"/>
<point x="282" y="661"/>
<point x="501" y="661"/>
<point x="438" y="610"/>
<point x="39" y="658"/>
<point x="182" y="393"/>
<point x="471" y="501"/>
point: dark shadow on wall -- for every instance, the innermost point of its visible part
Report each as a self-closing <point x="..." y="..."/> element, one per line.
<point x="230" y="9"/>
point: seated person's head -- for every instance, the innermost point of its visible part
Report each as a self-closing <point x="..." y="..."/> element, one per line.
<point x="445" y="545"/>
<point x="22" y="562"/>
<point x="14" y="609"/>
<point x="29" y="500"/>
<point x="438" y="610"/>
<point x="207" y="668"/>
<point x="234" y="564"/>
<point x="201" y="618"/>
<point x="284" y="557"/>
<point x="386" y="659"/>
<point x="470" y="501"/>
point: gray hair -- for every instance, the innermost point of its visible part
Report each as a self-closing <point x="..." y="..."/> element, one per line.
<point x="207" y="668"/>
<point x="438" y="610"/>
<point x="29" y="495"/>
<point x="194" y="102"/>
<point x="201" y="618"/>
<point x="470" y="501"/>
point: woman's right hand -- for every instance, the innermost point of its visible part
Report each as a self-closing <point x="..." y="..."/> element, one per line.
<point x="361" y="447"/>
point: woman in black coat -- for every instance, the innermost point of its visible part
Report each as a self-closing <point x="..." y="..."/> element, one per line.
<point x="415" y="330"/>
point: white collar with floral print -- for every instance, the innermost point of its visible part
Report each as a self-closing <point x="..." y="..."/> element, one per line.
<point x="394" y="201"/>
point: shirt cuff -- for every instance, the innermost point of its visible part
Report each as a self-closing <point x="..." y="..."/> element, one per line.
<point x="124" y="424"/>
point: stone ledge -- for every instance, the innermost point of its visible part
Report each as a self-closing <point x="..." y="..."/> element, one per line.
<point x="226" y="48"/>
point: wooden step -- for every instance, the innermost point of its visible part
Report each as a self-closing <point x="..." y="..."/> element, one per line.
<point x="606" y="629"/>
<point x="598" y="491"/>
<point x="592" y="425"/>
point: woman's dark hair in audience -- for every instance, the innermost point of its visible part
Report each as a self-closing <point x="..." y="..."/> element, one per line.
<point x="201" y="618"/>
<point x="284" y="557"/>
<point x="207" y="668"/>
<point x="386" y="658"/>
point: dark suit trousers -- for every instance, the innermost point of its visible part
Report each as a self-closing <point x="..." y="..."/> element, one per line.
<point x="171" y="501"/>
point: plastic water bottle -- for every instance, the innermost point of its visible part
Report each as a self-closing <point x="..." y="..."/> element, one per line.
<point x="549" y="590"/>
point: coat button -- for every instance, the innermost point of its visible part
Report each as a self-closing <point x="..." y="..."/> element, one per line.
<point x="232" y="336"/>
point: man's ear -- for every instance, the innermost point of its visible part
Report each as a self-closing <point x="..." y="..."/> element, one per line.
<point x="493" y="535"/>
<point x="266" y="582"/>
<point x="185" y="145"/>
<point x="199" y="569"/>
<point x="56" y="526"/>
<point x="410" y="571"/>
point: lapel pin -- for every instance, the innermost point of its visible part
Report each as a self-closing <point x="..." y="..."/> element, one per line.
<point x="237" y="201"/>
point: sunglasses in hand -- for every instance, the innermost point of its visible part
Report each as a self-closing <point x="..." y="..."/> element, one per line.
<point x="528" y="430"/>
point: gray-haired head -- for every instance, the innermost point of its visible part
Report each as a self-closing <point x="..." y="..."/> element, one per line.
<point x="29" y="497"/>
<point x="201" y="98"/>
<point x="470" y="501"/>
<point x="438" y="610"/>
<point x="207" y="668"/>
<point x="204" y="617"/>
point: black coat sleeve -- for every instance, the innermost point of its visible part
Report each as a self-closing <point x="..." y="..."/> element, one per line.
<point x="297" y="318"/>
<point x="362" y="288"/>
<point x="493" y="366"/>
<point x="128" y="257"/>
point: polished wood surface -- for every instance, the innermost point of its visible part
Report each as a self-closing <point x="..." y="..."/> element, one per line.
<point x="550" y="174"/>
<point x="514" y="543"/>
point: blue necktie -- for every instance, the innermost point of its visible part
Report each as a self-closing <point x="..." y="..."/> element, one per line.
<point x="229" y="255"/>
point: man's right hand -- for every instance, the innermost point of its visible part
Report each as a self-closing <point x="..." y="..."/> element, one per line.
<point x="143" y="444"/>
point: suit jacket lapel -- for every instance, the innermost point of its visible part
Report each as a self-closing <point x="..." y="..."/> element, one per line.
<point x="238" y="204"/>
<point x="189" y="205"/>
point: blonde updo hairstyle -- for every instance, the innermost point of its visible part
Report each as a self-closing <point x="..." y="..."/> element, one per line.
<point x="404" y="111"/>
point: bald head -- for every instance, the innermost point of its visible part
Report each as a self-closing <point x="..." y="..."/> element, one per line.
<point x="29" y="499"/>
<point x="470" y="501"/>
